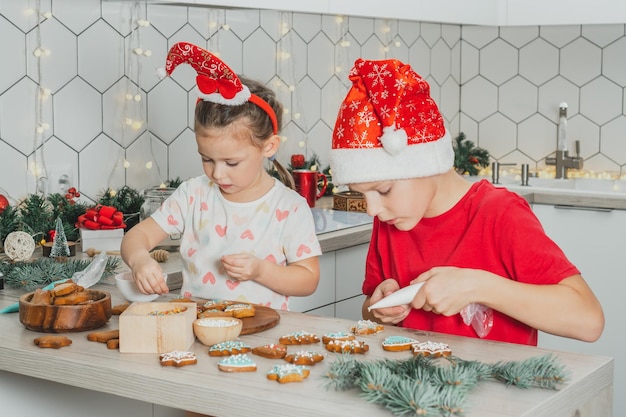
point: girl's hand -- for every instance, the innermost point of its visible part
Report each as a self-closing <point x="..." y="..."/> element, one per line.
<point x="148" y="277"/>
<point x="391" y="315"/>
<point x="242" y="266"/>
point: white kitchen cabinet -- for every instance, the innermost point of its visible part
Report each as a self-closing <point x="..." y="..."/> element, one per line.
<point x="464" y="12"/>
<point x="594" y="240"/>
<point x="325" y="293"/>
<point x="339" y="292"/>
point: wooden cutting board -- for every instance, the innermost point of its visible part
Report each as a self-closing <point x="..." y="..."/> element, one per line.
<point x="264" y="318"/>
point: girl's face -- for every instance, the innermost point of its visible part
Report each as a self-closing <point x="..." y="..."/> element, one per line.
<point x="401" y="203"/>
<point x="234" y="163"/>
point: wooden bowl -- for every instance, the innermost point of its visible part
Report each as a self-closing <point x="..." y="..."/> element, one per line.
<point x="66" y="318"/>
<point x="213" y="330"/>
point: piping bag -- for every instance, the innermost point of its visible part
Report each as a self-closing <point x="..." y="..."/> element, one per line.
<point x="85" y="278"/>
<point x="476" y="315"/>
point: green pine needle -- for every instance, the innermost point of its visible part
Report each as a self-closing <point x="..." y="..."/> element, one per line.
<point x="427" y="387"/>
<point x="43" y="271"/>
<point x="539" y="372"/>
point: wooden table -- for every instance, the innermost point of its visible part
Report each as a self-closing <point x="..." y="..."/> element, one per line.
<point x="203" y="388"/>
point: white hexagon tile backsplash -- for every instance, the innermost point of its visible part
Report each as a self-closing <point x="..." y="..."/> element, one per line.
<point x="78" y="85"/>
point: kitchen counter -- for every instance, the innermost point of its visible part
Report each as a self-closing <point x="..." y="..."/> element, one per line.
<point x="203" y="388"/>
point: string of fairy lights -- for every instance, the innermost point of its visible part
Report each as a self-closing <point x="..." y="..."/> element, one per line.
<point x="134" y="117"/>
<point x="37" y="164"/>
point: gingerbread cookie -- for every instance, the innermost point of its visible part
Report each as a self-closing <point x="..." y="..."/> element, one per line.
<point x="237" y="363"/>
<point x="55" y="342"/>
<point x="103" y="336"/>
<point x="178" y="358"/>
<point x="113" y="344"/>
<point x="216" y="304"/>
<point x="364" y="327"/>
<point x="304" y="357"/>
<point x="299" y="338"/>
<point x="240" y="310"/>
<point x="337" y="336"/>
<point x="41" y="297"/>
<point x="347" y="346"/>
<point x="288" y="373"/>
<point x="119" y="309"/>
<point x="271" y="351"/>
<point x="398" y="343"/>
<point x="231" y="347"/>
<point x="434" y="349"/>
<point x="213" y="312"/>
<point x="64" y="288"/>
<point x="72" y="299"/>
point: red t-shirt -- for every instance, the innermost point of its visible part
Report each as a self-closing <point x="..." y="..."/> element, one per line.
<point x="491" y="229"/>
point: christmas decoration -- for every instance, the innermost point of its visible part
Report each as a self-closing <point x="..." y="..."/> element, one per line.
<point x="43" y="271"/>
<point x="467" y="157"/>
<point x="9" y="222"/>
<point x="19" y="246"/>
<point x="127" y="200"/>
<point x="298" y="161"/>
<point x="4" y="203"/>
<point x="101" y="217"/>
<point x="60" y="249"/>
<point x="424" y="386"/>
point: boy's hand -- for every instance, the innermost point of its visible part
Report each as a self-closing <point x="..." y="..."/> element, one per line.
<point x="446" y="290"/>
<point x="392" y="315"/>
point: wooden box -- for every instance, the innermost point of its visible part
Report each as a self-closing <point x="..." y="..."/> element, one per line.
<point x="349" y="201"/>
<point x="143" y="332"/>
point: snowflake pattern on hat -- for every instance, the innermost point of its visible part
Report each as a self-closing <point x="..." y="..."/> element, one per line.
<point x="389" y="121"/>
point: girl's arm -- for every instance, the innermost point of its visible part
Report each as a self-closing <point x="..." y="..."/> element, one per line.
<point x="135" y="250"/>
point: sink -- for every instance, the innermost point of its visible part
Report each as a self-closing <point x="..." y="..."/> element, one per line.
<point x="572" y="185"/>
<point x="575" y="185"/>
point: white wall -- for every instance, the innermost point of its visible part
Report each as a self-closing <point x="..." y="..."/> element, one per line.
<point x="501" y="86"/>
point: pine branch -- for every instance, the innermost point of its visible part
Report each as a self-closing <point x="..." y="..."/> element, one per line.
<point x="540" y="372"/>
<point x="43" y="271"/>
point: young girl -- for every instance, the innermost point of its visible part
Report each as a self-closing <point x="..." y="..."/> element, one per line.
<point x="245" y="235"/>
<point x="469" y="243"/>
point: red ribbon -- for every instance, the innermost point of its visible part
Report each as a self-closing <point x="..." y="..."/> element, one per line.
<point x="226" y="87"/>
<point x="101" y="217"/>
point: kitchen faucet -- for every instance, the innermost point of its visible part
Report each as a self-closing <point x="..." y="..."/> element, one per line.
<point x="562" y="161"/>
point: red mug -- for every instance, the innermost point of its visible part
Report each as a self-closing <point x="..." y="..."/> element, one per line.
<point x="307" y="184"/>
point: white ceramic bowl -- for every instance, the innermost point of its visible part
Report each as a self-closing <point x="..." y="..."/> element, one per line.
<point x="129" y="290"/>
<point x="212" y="330"/>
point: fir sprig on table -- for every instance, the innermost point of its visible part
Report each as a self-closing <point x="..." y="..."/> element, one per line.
<point x="430" y="387"/>
<point x="43" y="271"/>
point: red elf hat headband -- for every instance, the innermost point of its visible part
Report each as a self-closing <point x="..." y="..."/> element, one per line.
<point x="388" y="127"/>
<point x="216" y="81"/>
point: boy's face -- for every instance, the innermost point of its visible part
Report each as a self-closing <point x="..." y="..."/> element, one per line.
<point x="401" y="203"/>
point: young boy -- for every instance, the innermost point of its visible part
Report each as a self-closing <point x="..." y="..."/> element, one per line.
<point x="468" y="242"/>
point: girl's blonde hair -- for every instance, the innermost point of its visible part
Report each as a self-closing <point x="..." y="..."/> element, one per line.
<point x="213" y="115"/>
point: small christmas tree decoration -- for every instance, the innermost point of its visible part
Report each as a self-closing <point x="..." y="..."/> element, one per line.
<point x="60" y="250"/>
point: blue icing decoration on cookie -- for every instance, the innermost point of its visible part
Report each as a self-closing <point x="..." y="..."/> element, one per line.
<point x="398" y="340"/>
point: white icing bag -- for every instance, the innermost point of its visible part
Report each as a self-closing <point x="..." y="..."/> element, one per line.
<point x="401" y="297"/>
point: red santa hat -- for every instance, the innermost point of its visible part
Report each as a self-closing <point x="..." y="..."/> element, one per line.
<point x="215" y="80"/>
<point x="388" y="127"/>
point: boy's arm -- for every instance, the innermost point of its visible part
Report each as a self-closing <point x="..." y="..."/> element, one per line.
<point x="568" y="309"/>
